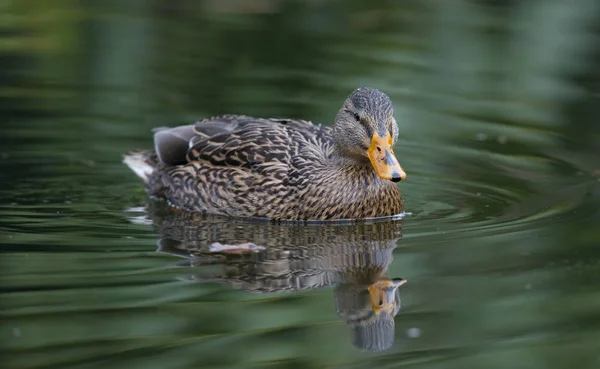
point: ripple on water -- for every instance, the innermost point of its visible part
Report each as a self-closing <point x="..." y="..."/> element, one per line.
<point x="464" y="189"/>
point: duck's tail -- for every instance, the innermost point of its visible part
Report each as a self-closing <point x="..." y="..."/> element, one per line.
<point x="170" y="149"/>
<point x="147" y="166"/>
<point x="142" y="162"/>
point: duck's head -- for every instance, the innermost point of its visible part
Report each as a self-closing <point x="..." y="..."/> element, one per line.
<point x="365" y="130"/>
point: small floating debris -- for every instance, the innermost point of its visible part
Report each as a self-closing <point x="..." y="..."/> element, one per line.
<point x="248" y="246"/>
<point x="136" y="209"/>
<point x="141" y="220"/>
<point x="413" y="332"/>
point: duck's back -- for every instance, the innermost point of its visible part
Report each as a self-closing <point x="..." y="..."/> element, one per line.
<point x="235" y="165"/>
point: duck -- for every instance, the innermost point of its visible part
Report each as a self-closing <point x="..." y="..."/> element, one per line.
<point x="279" y="168"/>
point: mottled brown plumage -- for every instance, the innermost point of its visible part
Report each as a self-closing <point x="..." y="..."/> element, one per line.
<point x="281" y="169"/>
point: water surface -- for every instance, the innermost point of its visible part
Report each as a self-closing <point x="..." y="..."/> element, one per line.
<point x="499" y="135"/>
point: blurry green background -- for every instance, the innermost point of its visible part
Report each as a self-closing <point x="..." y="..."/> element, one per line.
<point x="498" y="104"/>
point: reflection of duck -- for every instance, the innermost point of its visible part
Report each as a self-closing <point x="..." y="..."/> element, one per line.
<point x="264" y="258"/>
<point x="280" y="168"/>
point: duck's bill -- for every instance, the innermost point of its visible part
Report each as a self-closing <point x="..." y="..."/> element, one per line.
<point x="383" y="159"/>
<point x="382" y="294"/>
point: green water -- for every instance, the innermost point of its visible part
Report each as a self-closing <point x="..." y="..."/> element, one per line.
<point x="498" y="107"/>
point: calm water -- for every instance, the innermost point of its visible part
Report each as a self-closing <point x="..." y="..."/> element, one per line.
<point x="498" y="107"/>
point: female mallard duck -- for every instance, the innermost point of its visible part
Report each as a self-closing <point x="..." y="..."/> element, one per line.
<point x="281" y="169"/>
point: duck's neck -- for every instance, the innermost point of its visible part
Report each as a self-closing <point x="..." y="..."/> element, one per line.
<point x="343" y="159"/>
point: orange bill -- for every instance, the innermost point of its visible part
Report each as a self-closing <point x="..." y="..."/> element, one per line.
<point x="382" y="294"/>
<point x="383" y="159"/>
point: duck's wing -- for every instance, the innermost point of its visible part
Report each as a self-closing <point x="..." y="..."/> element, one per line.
<point x="258" y="144"/>
<point x="239" y="165"/>
<point x="171" y="144"/>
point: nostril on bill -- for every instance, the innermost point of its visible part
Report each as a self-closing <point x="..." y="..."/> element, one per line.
<point x="389" y="159"/>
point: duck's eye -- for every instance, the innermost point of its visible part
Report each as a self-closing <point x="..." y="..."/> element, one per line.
<point x="357" y="117"/>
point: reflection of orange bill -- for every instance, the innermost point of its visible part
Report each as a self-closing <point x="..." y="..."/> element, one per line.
<point x="383" y="159"/>
<point x="382" y="294"/>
